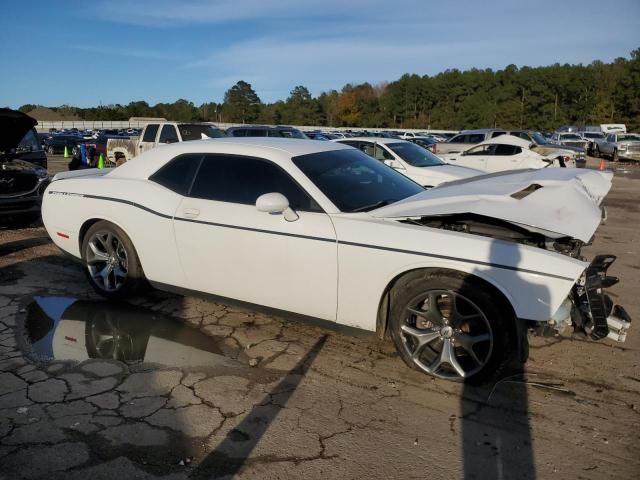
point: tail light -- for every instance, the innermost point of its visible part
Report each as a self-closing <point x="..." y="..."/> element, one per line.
<point x="433" y="148"/>
<point x="567" y="158"/>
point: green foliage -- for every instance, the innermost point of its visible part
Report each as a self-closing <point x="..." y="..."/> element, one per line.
<point x="241" y="103"/>
<point x="542" y="98"/>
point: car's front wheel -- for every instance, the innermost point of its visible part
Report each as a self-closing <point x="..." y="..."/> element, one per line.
<point x="112" y="264"/>
<point x="450" y="325"/>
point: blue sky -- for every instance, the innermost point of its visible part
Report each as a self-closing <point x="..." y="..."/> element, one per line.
<point x="89" y="52"/>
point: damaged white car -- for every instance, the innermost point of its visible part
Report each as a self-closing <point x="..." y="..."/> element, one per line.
<point x="508" y="152"/>
<point x="456" y="275"/>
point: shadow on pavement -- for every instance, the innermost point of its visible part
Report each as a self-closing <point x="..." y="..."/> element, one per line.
<point x="243" y="439"/>
<point x="496" y="430"/>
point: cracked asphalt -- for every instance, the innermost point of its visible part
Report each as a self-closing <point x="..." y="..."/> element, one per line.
<point x="209" y="390"/>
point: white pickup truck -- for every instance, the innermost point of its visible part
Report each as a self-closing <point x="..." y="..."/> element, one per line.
<point x="159" y="133"/>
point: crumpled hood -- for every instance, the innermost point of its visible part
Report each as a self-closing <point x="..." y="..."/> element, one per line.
<point x="555" y="201"/>
<point x="14" y="125"/>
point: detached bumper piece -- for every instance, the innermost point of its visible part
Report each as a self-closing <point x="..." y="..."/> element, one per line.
<point x="596" y="314"/>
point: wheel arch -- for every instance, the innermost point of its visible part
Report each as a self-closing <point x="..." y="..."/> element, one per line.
<point x="87" y="224"/>
<point x="384" y="305"/>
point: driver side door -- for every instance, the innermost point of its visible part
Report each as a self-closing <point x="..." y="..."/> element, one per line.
<point x="229" y="248"/>
<point x="476" y="157"/>
<point x="505" y="157"/>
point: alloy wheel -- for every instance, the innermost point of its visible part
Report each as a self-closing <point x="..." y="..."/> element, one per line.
<point x="108" y="340"/>
<point x="107" y="261"/>
<point x="446" y="335"/>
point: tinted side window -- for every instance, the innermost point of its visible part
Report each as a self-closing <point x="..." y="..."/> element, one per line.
<point x="168" y="134"/>
<point x="256" y="132"/>
<point x="177" y="175"/>
<point x="150" y="133"/>
<point x="243" y="180"/>
<point x="474" y="138"/>
<point x="497" y="134"/>
<point x="239" y="132"/>
<point x="506" y="150"/>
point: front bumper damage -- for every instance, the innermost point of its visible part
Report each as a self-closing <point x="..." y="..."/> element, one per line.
<point x="593" y="312"/>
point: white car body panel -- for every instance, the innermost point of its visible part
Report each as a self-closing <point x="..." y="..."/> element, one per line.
<point x="566" y="205"/>
<point x="527" y="158"/>
<point x="425" y="176"/>
<point x="334" y="266"/>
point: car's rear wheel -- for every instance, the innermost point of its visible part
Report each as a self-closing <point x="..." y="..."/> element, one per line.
<point x="450" y="326"/>
<point x="112" y="264"/>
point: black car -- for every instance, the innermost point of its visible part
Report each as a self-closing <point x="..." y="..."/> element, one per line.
<point x="23" y="168"/>
<point x="55" y="143"/>
<point x="266" y="131"/>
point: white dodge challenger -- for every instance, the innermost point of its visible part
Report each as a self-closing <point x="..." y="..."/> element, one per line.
<point x="457" y="275"/>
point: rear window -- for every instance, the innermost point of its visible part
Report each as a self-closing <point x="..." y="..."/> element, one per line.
<point x="150" y="133"/>
<point x="195" y="132"/>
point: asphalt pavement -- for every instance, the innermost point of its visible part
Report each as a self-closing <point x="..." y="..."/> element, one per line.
<point x="180" y="387"/>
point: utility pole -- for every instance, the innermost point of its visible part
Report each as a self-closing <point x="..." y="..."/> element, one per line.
<point x="522" y="108"/>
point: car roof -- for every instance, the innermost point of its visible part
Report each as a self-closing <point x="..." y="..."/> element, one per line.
<point x="507" y="140"/>
<point x="279" y="150"/>
<point x="382" y="140"/>
<point x="484" y="130"/>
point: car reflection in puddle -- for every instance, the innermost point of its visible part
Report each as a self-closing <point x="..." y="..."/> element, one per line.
<point x="62" y="328"/>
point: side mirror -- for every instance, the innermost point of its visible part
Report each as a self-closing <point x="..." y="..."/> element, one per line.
<point x="276" y="203"/>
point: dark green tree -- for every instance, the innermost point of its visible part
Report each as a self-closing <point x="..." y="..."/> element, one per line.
<point x="241" y="103"/>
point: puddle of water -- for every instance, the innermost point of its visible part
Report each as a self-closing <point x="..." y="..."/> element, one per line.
<point x="63" y="328"/>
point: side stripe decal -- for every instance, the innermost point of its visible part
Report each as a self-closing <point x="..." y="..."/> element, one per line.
<point x="320" y="239"/>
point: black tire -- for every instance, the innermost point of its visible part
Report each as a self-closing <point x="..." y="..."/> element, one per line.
<point x="596" y="151"/>
<point x="489" y="359"/>
<point x="134" y="282"/>
<point x="614" y="156"/>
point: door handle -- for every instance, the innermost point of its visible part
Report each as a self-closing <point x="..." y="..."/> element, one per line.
<point x="190" y="212"/>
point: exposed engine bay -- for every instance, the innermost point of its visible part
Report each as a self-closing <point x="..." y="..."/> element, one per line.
<point x="500" y="230"/>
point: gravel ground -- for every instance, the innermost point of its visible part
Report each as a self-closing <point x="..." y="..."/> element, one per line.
<point x="216" y="391"/>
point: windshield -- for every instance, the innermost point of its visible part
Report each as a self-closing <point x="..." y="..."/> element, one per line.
<point x="29" y="142"/>
<point x="415" y="154"/>
<point x="627" y="138"/>
<point x="539" y="138"/>
<point x="291" y="133"/>
<point x="194" y="132"/>
<point x="353" y="181"/>
<point x="570" y="136"/>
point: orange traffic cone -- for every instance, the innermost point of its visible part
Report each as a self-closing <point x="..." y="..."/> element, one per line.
<point x="601" y="167"/>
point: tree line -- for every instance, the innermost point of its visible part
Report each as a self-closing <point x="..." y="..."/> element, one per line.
<point x="542" y="98"/>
